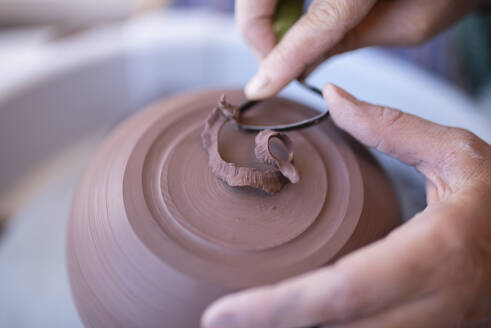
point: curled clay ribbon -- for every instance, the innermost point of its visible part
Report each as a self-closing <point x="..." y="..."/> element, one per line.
<point x="270" y="180"/>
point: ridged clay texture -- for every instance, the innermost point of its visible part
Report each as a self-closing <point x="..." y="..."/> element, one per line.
<point x="154" y="236"/>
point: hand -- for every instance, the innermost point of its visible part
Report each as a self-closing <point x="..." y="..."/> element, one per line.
<point x="433" y="271"/>
<point x="333" y="26"/>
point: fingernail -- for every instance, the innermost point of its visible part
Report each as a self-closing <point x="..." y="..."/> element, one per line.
<point x="256" y="87"/>
<point x="331" y="90"/>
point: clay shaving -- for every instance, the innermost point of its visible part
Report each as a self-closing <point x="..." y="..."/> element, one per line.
<point x="270" y="180"/>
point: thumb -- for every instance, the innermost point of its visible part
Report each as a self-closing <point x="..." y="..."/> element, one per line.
<point x="325" y="23"/>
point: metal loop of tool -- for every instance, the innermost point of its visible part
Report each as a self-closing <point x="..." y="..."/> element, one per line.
<point x="283" y="127"/>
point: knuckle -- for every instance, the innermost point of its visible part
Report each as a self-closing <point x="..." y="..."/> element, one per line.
<point x="336" y="13"/>
<point x="470" y="144"/>
<point x="464" y="135"/>
<point x="389" y="117"/>
<point x="466" y="149"/>
<point x="319" y="12"/>
<point x="291" y="55"/>
<point x="388" y="120"/>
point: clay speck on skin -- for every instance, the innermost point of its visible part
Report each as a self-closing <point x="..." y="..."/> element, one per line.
<point x="270" y="180"/>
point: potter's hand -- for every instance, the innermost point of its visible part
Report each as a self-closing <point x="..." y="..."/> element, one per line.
<point x="434" y="271"/>
<point x="333" y="26"/>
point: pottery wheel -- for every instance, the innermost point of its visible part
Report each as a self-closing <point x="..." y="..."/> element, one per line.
<point x="191" y="218"/>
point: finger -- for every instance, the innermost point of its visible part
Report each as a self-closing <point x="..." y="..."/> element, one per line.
<point x="433" y="149"/>
<point x="324" y="24"/>
<point x="403" y="22"/>
<point x="449" y="158"/>
<point x="254" y="19"/>
<point x="435" y="311"/>
<point x="386" y="273"/>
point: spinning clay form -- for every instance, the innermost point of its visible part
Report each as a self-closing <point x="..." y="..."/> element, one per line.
<point x="158" y="229"/>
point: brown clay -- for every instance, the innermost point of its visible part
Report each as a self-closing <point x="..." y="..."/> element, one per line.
<point x="154" y="236"/>
<point x="270" y="179"/>
<point x="264" y="153"/>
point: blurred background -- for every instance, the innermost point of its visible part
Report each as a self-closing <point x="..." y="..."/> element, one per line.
<point x="71" y="69"/>
<point x="461" y="55"/>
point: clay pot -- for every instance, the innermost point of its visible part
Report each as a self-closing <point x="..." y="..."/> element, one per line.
<point x="154" y="236"/>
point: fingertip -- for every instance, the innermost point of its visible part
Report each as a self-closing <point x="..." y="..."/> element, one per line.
<point x="207" y="317"/>
<point x="333" y="93"/>
<point x="329" y="92"/>
<point x="342" y="105"/>
<point x="328" y="89"/>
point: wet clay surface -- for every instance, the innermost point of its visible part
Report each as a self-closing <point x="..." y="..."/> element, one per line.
<point x="154" y="236"/>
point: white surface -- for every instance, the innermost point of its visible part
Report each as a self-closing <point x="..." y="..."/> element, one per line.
<point x="53" y="96"/>
<point x="34" y="288"/>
